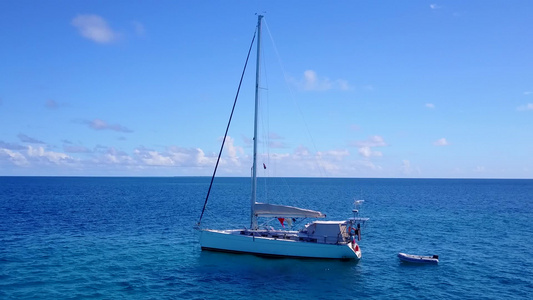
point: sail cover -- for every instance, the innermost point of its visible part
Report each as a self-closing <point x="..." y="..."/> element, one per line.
<point x="282" y="211"/>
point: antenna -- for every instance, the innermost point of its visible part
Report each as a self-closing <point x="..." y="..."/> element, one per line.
<point x="357" y="204"/>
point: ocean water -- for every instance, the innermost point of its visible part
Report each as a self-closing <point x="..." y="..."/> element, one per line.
<point x="133" y="238"/>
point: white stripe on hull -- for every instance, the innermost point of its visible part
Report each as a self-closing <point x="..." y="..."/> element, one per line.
<point x="228" y="241"/>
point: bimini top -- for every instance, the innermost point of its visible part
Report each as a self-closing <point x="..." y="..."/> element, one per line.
<point x="283" y="211"/>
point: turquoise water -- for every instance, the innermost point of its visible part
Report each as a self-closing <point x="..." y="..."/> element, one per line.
<point x="133" y="238"/>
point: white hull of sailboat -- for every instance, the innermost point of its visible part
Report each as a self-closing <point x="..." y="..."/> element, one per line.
<point x="229" y="241"/>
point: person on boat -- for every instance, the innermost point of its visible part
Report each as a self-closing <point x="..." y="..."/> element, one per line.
<point x="355" y="231"/>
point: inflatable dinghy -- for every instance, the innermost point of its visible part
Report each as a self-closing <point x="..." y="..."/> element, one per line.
<point x="418" y="259"/>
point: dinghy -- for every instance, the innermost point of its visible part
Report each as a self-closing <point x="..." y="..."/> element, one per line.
<point x="418" y="259"/>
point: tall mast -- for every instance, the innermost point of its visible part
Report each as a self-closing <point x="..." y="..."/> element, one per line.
<point x="254" y="166"/>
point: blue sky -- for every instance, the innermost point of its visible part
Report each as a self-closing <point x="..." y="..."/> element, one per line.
<point x="425" y="89"/>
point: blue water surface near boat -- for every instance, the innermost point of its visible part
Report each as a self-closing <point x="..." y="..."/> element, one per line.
<point x="133" y="238"/>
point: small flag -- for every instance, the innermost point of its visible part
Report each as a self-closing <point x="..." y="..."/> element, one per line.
<point x="281" y="221"/>
<point x="264" y="166"/>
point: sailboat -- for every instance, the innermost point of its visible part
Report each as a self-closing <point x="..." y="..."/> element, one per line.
<point x="319" y="239"/>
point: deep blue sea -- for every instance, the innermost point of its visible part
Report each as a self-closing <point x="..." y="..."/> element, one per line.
<point x="133" y="238"/>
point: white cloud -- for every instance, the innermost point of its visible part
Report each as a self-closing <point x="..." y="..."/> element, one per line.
<point x="365" y="146"/>
<point x="232" y="150"/>
<point x="95" y="28"/>
<point x="368" y="152"/>
<point x="102" y="160"/>
<point x="301" y="151"/>
<point x="15" y="157"/>
<point x="311" y="82"/>
<point x="363" y="165"/>
<point x="525" y="107"/>
<point x="408" y="169"/>
<point x="110" y="156"/>
<point x="188" y="161"/>
<point x="365" y="151"/>
<point x="373" y="141"/>
<point x="302" y="162"/>
<point x="201" y="160"/>
<point x="479" y="169"/>
<point x="335" y="155"/>
<point x="190" y="157"/>
<point x="406" y="166"/>
<point x="434" y="6"/>
<point x="527" y="93"/>
<point x="173" y="157"/>
<point x="441" y="142"/>
<point x="110" y="159"/>
<point x="430" y="105"/>
<point x="154" y="158"/>
<point x="48" y="156"/>
<point x="36" y="157"/>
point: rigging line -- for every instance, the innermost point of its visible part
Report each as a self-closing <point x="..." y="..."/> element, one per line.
<point x="227" y="128"/>
<point x="293" y="98"/>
